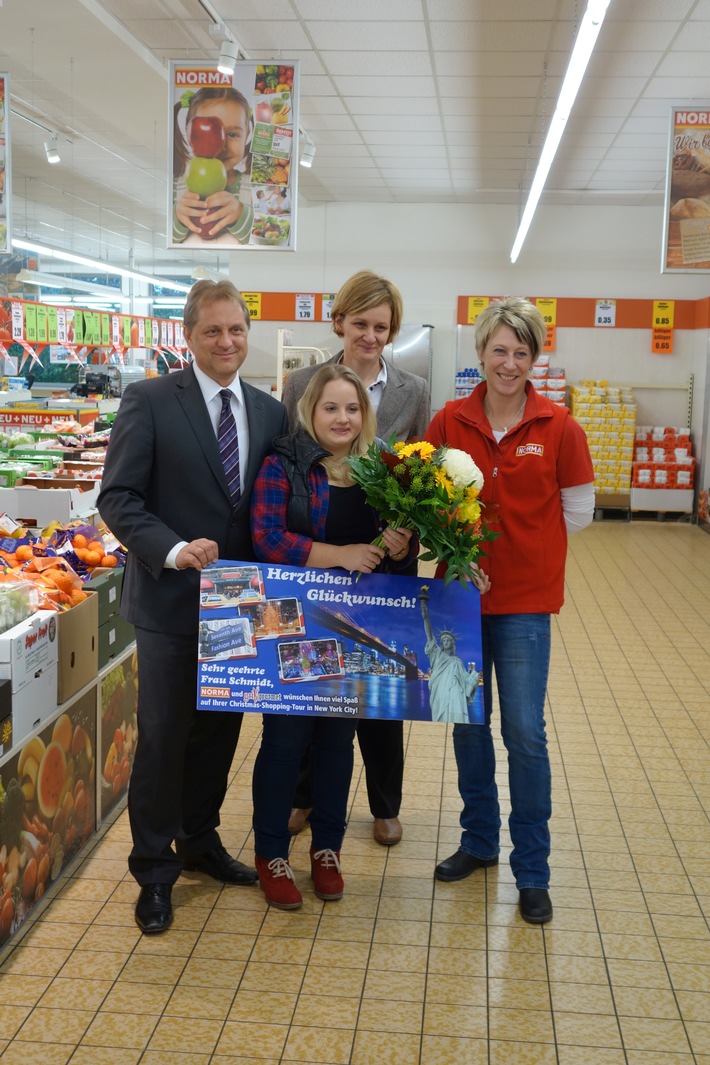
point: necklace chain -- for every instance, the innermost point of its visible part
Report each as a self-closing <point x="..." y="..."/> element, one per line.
<point x="492" y="420"/>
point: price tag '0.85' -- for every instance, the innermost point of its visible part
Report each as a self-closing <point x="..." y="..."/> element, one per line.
<point x="605" y="313"/>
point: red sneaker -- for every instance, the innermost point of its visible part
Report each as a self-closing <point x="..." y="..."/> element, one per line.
<point x="325" y="871"/>
<point x="277" y="882"/>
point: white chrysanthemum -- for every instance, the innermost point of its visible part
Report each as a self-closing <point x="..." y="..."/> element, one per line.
<point x="461" y="468"/>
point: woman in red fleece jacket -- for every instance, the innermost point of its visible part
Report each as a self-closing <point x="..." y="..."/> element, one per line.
<point x="538" y="486"/>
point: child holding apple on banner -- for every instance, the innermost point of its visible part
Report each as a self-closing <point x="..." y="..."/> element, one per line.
<point x="211" y="187"/>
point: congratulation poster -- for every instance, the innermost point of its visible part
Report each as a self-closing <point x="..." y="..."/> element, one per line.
<point x="686" y="243"/>
<point x="234" y="155"/>
<point x="289" y="640"/>
<point x="5" y="170"/>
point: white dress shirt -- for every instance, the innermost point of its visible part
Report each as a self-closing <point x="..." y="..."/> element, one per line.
<point x="213" y="401"/>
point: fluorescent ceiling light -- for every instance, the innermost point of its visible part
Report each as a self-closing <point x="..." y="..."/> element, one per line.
<point x="203" y="273"/>
<point x="104" y="268"/>
<point x="581" y="54"/>
<point x="34" y="277"/>
<point x="228" y="57"/>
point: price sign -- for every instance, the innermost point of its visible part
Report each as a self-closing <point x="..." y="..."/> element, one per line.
<point x="548" y="310"/>
<point x="305" y="307"/>
<point x="476" y="304"/>
<point x="18" y="321"/>
<point x="52" y="317"/>
<point x="253" y="302"/>
<point x="327" y="300"/>
<point x="663" y="311"/>
<point x="605" y="313"/>
<point x="662" y="342"/>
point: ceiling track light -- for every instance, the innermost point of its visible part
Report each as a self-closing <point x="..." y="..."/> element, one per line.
<point x="52" y="151"/>
<point x="589" y="29"/>
<point x="308" y="151"/>
<point x="228" y="57"/>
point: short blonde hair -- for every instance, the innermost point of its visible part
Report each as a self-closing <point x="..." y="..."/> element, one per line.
<point x="362" y="292"/>
<point x="518" y="314"/>
<point x="309" y="400"/>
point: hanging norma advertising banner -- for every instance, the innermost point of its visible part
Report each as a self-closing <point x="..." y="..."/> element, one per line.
<point x="686" y="234"/>
<point x="293" y="640"/>
<point x="233" y="146"/>
<point x="5" y="167"/>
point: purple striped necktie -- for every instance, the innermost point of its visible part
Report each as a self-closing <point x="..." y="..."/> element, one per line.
<point x="229" y="444"/>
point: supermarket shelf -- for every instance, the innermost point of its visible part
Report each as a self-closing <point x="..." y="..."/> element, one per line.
<point x="663" y="500"/>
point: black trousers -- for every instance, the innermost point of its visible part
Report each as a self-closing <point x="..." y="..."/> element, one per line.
<point x="382" y="748"/>
<point x="182" y="764"/>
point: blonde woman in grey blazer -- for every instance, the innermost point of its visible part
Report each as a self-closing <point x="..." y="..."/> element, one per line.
<point x="367" y="314"/>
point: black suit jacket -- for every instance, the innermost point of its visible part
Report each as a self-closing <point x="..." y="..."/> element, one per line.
<point x="164" y="482"/>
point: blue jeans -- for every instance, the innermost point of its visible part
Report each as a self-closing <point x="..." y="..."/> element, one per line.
<point x="283" y="742"/>
<point x="518" y="647"/>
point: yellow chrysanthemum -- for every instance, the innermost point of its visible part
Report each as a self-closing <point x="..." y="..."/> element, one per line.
<point x="470" y="511"/>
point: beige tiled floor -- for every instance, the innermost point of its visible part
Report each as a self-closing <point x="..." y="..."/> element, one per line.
<point x="404" y="970"/>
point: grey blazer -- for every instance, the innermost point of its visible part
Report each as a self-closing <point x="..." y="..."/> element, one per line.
<point x="404" y="410"/>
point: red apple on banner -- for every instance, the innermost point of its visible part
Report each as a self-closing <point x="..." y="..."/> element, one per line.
<point x="205" y="176"/>
<point x="207" y="136"/>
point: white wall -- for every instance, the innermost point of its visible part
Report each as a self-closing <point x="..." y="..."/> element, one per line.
<point x="436" y="253"/>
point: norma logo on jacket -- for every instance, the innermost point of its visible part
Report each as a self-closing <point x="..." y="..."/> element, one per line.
<point x="530" y="449"/>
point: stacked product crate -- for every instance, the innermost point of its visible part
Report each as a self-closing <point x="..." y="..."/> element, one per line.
<point x="607" y="413"/>
<point x="663" y="458"/>
<point x="549" y="380"/>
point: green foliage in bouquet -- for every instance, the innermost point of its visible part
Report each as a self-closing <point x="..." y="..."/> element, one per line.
<point x="433" y="491"/>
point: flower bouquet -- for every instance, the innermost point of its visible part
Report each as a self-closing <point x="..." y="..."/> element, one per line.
<point x="433" y="491"/>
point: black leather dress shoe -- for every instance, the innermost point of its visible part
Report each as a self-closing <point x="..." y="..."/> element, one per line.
<point x="154" y="910"/>
<point x="535" y="905"/>
<point x="221" y="866"/>
<point x="461" y="865"/>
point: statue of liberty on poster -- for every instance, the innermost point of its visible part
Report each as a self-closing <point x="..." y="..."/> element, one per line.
<point x="452" y="686"/>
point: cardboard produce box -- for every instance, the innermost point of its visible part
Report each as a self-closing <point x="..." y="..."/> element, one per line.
<point x="107" y="586"/>
<point x="78" y="651"/>
<point x="38" y="506"/>
<point x="28" y="659"/>
<point x="115" y="635"/>
<point x="34" y="704"/>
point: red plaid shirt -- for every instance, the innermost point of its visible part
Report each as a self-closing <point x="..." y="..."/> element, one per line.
<point x="269" y="505"/>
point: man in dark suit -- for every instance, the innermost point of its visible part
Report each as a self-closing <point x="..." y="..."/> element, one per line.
<point x="165" y="494"/>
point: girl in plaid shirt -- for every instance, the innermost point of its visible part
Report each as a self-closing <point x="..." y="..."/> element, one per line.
<point x="307" y="511"/>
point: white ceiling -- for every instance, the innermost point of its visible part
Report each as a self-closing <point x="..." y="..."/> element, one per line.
<point x="434" y="101"/>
